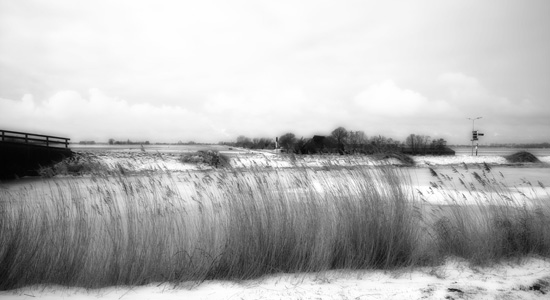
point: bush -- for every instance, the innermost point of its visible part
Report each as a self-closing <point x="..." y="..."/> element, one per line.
<point x="522" y="157"/>
<point x="78" y="164"/>
<point x="403" y="158"/>
<point x="211" y="158"/>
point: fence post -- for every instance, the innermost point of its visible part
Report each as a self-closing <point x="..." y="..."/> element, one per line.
<point x="26" y="138"/>
<point x="47" y="141"/>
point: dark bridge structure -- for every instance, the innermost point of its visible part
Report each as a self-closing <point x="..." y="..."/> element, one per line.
<point x="23" y="153"/>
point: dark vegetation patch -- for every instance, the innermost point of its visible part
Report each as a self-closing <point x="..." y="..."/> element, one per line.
<point x="78" y="164"/>
<point x="541" y="286"/>
<point x="20" y="159"/>
<point x="403" y="158"/>
<point x="212" y="158"/>
<point x="522" y="157"/>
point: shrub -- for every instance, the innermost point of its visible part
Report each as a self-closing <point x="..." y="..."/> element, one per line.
<point x="78" y="164"/>
<point x="211" y="158"/>
<point x="521" y="157"/>
<point x="403" y="158"/>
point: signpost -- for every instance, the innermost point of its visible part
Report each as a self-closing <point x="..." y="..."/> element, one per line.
<point x="475" y="135"/>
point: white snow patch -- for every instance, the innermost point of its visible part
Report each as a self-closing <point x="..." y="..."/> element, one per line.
<point x="453" y="280"/>
<point x="459" y="159"/>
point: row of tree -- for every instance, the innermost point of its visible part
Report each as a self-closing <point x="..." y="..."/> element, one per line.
<point x="127" y="142"/>
<point x="343" y="141"/>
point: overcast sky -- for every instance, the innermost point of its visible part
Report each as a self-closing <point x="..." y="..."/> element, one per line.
<point x="210" y="71"/>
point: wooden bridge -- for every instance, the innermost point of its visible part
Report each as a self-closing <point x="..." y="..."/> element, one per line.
<point x="23" y="153"/>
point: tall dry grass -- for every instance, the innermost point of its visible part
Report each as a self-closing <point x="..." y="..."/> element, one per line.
<point x="108" y="230"/>
<point x="484" y="220"/>
<point x="231" y="224"/>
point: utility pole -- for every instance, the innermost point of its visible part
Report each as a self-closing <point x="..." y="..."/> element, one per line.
<point x="475" y="134"/>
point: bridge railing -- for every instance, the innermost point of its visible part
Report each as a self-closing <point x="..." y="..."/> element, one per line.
<point x="34" y="139"/>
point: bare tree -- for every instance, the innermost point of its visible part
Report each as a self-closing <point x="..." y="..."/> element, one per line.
<point x="439" y="145"/>
<point x="287" y="141"/>
<point x="340" y="134"/>
<point x="356" y="140"/>
<point x="243" y="141"/>
<point x="417" y="143"/>
<point x="380" y="144"/>
<point x="262" y="143"/>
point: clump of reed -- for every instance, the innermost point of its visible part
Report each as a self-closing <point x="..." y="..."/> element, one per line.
<point x="211" y="158"/>
<point x="485" y="221"/>
<point x="226" y="224"/>
<point x="77" y="164"/>
<point x="405" y="159"/>
<point x="107" y="229"/>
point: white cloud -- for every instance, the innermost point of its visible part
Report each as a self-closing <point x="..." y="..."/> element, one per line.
<point x="267" y="111"/>
<point x="99" y="116"/>
<point x="389" y="100"/>
<point x="462" y="86"/>
<point x="470" y="96"/>
<point x="223" y="116"/>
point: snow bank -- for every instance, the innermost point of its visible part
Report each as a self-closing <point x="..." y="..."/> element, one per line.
<point x="459" y="159"/>
<point x="453" y="280"/>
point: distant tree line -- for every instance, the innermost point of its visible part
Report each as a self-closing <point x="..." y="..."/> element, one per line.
<point x="342" y="141"/>
<point x="255" y="143"/>
<point x="127" y="142"/>
<point x="514" y="145"/>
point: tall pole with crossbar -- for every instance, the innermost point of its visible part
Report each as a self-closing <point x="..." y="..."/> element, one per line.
<point x="474" y="137"/>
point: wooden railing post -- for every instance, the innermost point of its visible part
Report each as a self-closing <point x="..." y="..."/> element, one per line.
<point x="48" y="141"/>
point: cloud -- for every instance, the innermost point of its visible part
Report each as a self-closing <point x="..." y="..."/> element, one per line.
<point x="388" y="100"/>
<point x="462" y="86"/>
<point x="468" y="95"/>
<point x="210" y="70"/>
<point x="263" y="112"/>
<point x="99" y="116"/>
<point x="268" y="110"/>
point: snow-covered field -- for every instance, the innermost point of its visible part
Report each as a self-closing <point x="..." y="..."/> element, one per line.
<point x="455" y="279"/>
<point x="151" y="161"/>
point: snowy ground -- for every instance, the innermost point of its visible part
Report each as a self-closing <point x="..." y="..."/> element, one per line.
<point x="143" y="161"/>
<point x="453" y="280"/>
